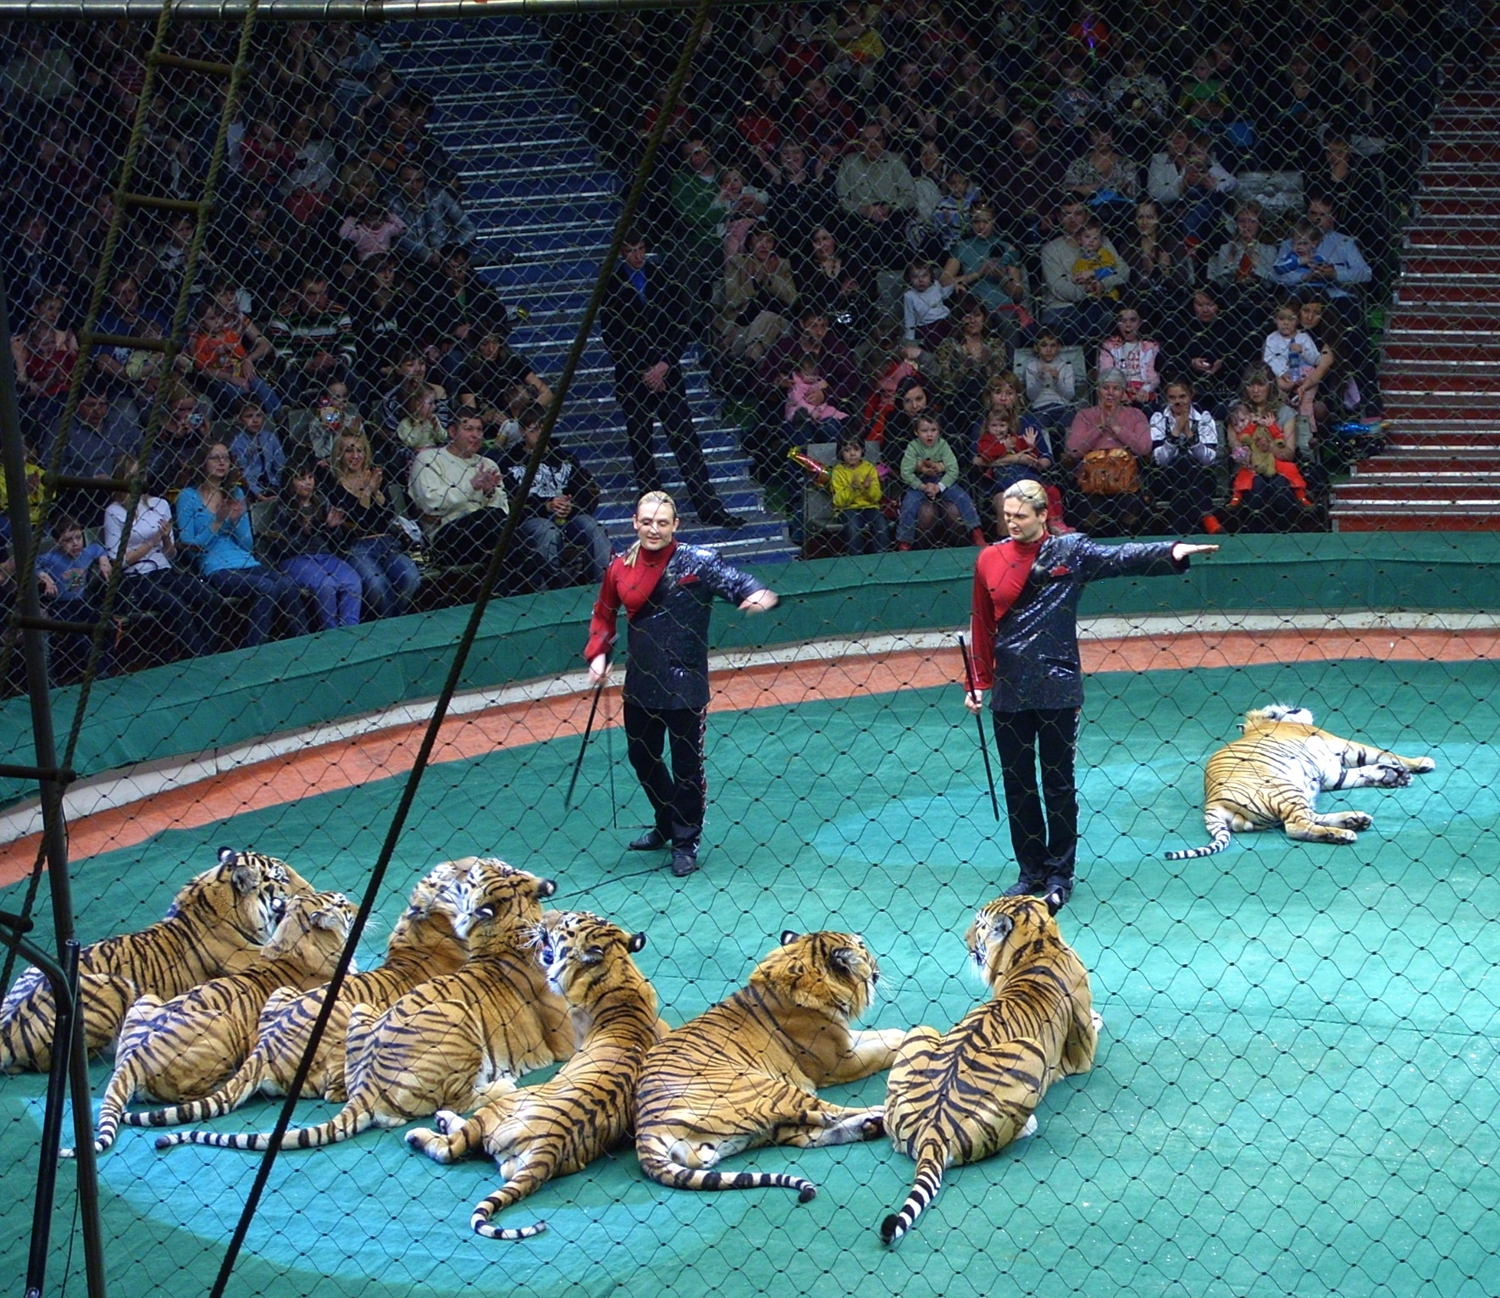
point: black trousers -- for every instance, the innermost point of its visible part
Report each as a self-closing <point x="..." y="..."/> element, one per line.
<point x="677" y="795"/>
<point x="1046" y="846"/>
<point x="641" y="407"/>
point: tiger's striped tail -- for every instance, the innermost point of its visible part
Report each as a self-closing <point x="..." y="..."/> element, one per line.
<point x="665" y="1172"/>
<point x="348" y="1122"/>
<point x="513" y="1191"/>
<point x="1218" y="828"/>
<point x="931" y="1164"/>
<point x="235" y="1092"/>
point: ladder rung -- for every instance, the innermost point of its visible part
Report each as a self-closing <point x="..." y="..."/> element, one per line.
<point x="191" y="65"/>
<point x="125" y="340"/>
<point x="160" y="204"/>
<point x="52" y="624"/>
<point x="61" y="775"/>
<point x="100" y="484"/>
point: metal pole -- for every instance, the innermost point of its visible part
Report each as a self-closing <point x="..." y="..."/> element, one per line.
<point x="327" y="10"/>
<point x="54" y="830"/>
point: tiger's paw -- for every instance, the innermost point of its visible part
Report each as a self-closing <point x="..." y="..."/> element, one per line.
<point x="1394" y="777"/>
<point x="1098" y="1020"/>
<point x="447" y="1121"/>
<point x="1423" y="765"/>
<point x="872" y="1128"/>
<point x="1029" y="1129"/>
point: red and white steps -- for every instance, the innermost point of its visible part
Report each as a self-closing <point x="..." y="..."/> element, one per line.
<point x="1440" y="377"/>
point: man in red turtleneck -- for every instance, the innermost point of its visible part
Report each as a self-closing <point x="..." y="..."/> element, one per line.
<point x="667" y="591"/>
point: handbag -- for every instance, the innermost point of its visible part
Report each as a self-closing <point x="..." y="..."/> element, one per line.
<point x="1115" y="472"/>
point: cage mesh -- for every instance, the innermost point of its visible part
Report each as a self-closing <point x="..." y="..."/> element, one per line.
<point x="1256" y="249"/>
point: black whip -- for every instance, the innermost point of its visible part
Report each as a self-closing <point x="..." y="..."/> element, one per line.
<point x="978" y="721"/>
<point x="584" y="746"/>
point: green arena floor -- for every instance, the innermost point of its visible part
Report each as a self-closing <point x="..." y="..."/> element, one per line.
<point x="1295" y="1091"/>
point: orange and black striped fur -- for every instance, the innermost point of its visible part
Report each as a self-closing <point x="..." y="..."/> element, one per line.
<point x="170" y="1050"/>
<point x="422" y="946"/>
<point x="746" y="1073"/>
<point x="216" y="924"/>
<point x="558" y="1128"/>
<point x="1273" y="774"/>
<point x="958" y="1098"/>
<point x="456" y="1042"/>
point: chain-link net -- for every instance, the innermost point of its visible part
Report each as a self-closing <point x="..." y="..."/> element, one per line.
<point x="341" y="361"/>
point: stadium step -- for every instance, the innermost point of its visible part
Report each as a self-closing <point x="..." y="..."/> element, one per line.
<point x="546" y="207"/>
<point x="1440" y="466"/>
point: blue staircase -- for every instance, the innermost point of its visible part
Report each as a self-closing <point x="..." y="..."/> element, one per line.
<point x="546" y="209"/>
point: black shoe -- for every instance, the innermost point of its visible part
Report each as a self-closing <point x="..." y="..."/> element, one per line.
<point x="684" y="861"/>
<point x="1058" y="890"/>
<point x="1023" y="888"/>
<point x="721" y="518"/>
<point x="653" y="840"/>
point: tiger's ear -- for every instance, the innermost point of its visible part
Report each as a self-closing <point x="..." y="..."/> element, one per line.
<point x="636" y="943"/>
<point x="228" y="856"/>
<point x="789" y="935"/>
<point x="845" y="959"/>
<point x="545" y="888"/>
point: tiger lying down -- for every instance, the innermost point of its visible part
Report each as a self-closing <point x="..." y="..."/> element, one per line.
<point x="1273" y="774"/>
<point x="960" y="1097"/>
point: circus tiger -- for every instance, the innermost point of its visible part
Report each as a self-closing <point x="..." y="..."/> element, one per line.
<point x="456" y="1042"/>
<point x="558" y="1128"/>
<point x="746" y="1073"/>
<point x="216" y="924"/>
<point x="422" y="946"/>
<point x="1273" y="774"/>
<point x="957" y="1098"/>
<point x="170" y="1050"/>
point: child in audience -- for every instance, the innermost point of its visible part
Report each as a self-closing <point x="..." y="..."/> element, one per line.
<point x="925" y="305"/>
<point x="1050" y="384"/>
<point x="73" y="566"/>
<point x="1095" y="261"/>
<point x="258" y="452"/>
<point x="1298" y="366"/>
<point x="1135" y="357"/>
<point x="933" y="498"/>
<point x="807" y="402"/>
<point x="857" y="500"/>
<point x="1011" y="445"/>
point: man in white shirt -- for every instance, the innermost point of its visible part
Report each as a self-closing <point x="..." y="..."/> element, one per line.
<point x="459" y="494"/>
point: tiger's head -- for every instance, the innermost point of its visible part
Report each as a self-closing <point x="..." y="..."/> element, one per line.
<point x="247" y="892"/>
<point x="496" y="902"/>
<point x="315" y="929"/>
<point x="834" y="973"/>
<point x="1276" y="712"/>
<point x="580" y="953"/>
<point x="1002" y="930"/>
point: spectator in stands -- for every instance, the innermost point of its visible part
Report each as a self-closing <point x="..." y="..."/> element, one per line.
<point x="800" y="196"/>
<point x="226" y="349"/>
<point x="696" y="187"/>
<point x="1107" y="182"/>
<point x="39" y="72"/>
<point x="177" y="453"/>
<point x="1339" y="269"/>
<point x="125" y="316"/>
<point x="913" y="400"/>
<point x="78" y="571"/>
<point x="1026" y="179"/>
<point x="461" y="306"/>
<point x="988" y="267"/>
<point x="411" y="365"/>
<point x="213" y="521"/>
<point x="460" y="494"/>
<point x="1050" y="384"/>
<point x="1207" y="344"/>
<point x="740" y="208"/>
<point x="1298" y="365"/>
<point x="966" y="363"/>
<point x="837" y="284"/>
<point x="1079" y="307"/>
<point x="1161" y="266"/>
<point x="432" y="217"/>
<point x="1202" y="95"/>
<point x="1184" y="451"/>
<point x="644" y="320"/>
<point x="1133" y="356"/>
<point x="1010" y="445"/>
<point x="557" y="515"/>
<point x="492" y="370"/>
<point x="302" y="537"/>
<point x="854" y="487"/>
<point x="33" y="270"/>
<point x="878" y="194"/>
<point x="258" y="452"/>
<point x="933" y="502"/>
<point x="1352" y="189"/>
<point x="824" y="120"/>
<point x="762" y="118"/>
<point x="314" y="339"/>
<point x="368" y="225"/>
<point x="1135" y="93"/>
<point x="1241" y="269"/>
<point x="419" y="426"/>
<point x="372" y="539"/>
<point x="406" y="140"/>
<point x="1109" y="495"/>
<point x="44" y="355"/>
<point x="101" y="432"/>
<point x="189" y="609"/>
<point x="1186" y="180"/>
<point x="1075" y="103"/>
<point x="385" y="311"/>
<point x="333" y="416"/>
<point x="311" y="177"/>
<point x="758" y="297"/>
